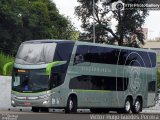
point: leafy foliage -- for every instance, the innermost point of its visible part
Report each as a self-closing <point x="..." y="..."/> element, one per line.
<point x="22" y="20"/>
<point x="158" y="71"/>
<point x="3" y="60"/>
<point x="158" y="78"/>
<point x="129" y="22"/>
<point x="158" y="58"/>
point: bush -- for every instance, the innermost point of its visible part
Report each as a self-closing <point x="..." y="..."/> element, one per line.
<point x="158" y="59"/>
<point x="158" y="78"/>
<point x="3" y="60"/>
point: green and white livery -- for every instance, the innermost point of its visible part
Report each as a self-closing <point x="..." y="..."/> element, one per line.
<point x="72" y="75"/>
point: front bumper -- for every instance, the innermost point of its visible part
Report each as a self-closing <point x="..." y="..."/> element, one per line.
<point x="30" y="103"/>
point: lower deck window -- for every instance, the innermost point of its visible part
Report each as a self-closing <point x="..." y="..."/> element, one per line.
<point x="152" y="86"/>
<point x="99" y="83"/>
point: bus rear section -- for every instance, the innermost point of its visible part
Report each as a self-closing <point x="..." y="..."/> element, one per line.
<point x="107" y="78"/>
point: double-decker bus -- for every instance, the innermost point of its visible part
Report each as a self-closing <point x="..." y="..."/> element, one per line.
<point x="78" y="75"/>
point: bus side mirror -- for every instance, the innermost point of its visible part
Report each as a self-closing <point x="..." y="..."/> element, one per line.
<point x="51" y="65"/>
<point x="5" y="67"/>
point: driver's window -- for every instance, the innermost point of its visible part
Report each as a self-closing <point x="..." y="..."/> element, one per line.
<point x="54" y="80"/>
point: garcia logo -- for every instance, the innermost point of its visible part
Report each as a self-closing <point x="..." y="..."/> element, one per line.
<point x="135" y="80"/>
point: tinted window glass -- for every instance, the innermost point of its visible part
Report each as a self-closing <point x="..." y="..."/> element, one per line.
<point x="103" y="55"/>
<point x="153" y="59"/>
<point x="29" y="80"/>
<point x="137" y="58"/>
<point x="152" y="86"/>
<point x="56" y="80"/>
<point x="63" y="52"/>
<point x="115" y="56"/>
<point x="82" y="54"/>
<point x="96" y="54"/>
<point x="99" y="83"/>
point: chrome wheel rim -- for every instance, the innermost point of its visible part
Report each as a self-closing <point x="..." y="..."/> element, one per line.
<point x="137" y="105"/>
<point x="127" y="106"/>
<point x="70" y="105"/>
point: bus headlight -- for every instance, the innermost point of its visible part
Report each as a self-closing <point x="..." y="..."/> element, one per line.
<point x="44" y="96"/>
<point x="45" y="102"/>
<point x="12" y="102"/>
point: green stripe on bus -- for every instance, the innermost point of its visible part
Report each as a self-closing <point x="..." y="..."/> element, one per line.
<point x="5" y="67"/>
<point x="79" y="90"/>
<point x="50" y="65"/>
<point x="44" y="92"/>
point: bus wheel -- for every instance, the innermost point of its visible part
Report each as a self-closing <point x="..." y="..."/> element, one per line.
<point x="127" y="106"/>
<point x="35" y="109"/>
<point x="137" y="107"/>
<point x="71" y="105"/>
<point x="44" y="109"/>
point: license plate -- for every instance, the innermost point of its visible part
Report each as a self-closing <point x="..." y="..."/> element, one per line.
<point x="27" y="103"/>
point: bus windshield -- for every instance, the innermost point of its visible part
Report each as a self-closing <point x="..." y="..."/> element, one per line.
<point x="30" y="80"/>
<point x="35" y="53"/>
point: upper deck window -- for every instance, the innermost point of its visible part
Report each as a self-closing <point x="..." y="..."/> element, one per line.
<point x="35" y="53"/>
<point x="114" y="56"/>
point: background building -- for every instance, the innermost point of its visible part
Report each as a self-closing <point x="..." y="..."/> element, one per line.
<point x="154" y="46"/>
<point x="145" y="32"/>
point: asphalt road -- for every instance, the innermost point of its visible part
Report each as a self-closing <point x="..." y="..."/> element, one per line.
<point x="81" y="115"/>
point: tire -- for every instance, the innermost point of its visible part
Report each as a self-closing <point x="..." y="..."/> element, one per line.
<point x="71" y="105"/>
<point x="137" y="107"/>
<point x="127" y="107"/>
<point x="44" y="109"/>
<point x="35" y="109"/>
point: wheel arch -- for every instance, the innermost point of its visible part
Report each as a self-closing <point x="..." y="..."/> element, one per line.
<point x="140" y="98"/>
<point x="136" y="108"/>
<point x="74" y="95"/>
<point x="130" y="97"/>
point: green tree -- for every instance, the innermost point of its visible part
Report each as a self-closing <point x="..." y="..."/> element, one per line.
<point x="22" y="20"/>
<point x="129" y="21"/>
